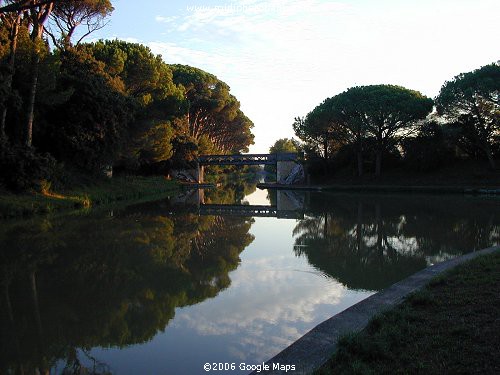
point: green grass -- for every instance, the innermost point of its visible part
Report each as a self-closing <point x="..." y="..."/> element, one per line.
<point x="450" y="327"/>
<point x="91" y="194"/>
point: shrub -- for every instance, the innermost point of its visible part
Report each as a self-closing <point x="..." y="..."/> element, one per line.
<point x="429" y="150"/>
<point x="24" y="169"/>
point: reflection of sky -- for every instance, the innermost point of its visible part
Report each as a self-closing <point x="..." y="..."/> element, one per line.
<point x="258" y="197"/>
<point x="274" y="298"/>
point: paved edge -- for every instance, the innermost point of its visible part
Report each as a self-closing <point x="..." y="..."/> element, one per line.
<point x="478" y="190"/>
<point x="313" y="349"/>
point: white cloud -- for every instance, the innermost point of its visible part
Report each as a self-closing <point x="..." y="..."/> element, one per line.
<point x="167" y="20"/>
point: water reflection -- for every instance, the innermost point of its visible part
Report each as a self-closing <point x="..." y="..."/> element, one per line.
<point x="371" y="242"/>
<point x="76" y="283"/>
<point x="80" y="282"/>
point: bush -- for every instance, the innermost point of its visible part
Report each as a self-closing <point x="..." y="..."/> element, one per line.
<point x="346" y="158"/>
<point x="24" y="169"/>
<point x="429" y="150"/>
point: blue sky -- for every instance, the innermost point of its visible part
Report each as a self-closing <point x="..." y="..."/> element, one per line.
<point x="281" y="58"/>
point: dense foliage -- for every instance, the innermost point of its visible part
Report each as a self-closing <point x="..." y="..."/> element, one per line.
<point x="369" y="124"/>
<point x="379" y="116"/>
<point x="282" y="145"/>
<point x="105" y="104"/>
<point x="470" y="104"/>
<point x="212" y="112"/>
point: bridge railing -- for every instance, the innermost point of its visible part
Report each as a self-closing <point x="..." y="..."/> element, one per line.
<point x="248" y="159"/>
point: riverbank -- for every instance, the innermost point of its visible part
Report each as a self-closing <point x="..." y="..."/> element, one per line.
<point x="474" y="291"/>
<point x="387" y="188"/>
<point x="434" y="189"/>
<point x="451" y="326"/>
<point x="471" y="177"/>
<point x="98" y="193"/>
<point x="468" y="173"/>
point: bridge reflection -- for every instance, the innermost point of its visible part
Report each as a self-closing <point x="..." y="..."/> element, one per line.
<point x="289" y="205"/>
<point x="249" y="210"/>
<point x="238" y="210"/>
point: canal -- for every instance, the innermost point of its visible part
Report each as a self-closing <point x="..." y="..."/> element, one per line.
<point x="165" y="287"/>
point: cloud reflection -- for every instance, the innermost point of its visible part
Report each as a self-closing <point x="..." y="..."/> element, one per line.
<point x="271" y="303"/>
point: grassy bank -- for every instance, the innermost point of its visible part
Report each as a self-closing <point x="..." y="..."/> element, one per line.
<point x="450" y="327"/>
<point x="97" y="193"/>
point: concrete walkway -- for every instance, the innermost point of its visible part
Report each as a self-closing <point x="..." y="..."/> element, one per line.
<point x="314" y="348"/>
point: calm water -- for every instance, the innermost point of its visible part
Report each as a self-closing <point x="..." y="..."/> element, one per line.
<point x="164" y="287"/>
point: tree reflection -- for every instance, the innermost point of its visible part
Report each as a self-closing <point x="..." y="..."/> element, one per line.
<point x="70" y="284"/>
<point x="371" y="242"/>
<point x="233" y="193"/>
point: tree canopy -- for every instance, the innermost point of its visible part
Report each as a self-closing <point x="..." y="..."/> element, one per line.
<point x="22" y="5"/>
<point x="89" y="128"/>
<point x="284" y="145"/>
<point x="320" y="130"/>
<point x="383" y="114"/>
<point x="70" y="14"/>
<point x="212" y="111"/>
<point x="470" y="103"/>
<point x="386" y="113"/>
<point x="113" y="103"/>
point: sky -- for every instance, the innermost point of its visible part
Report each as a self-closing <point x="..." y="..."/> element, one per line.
<point x="282" y="58"/>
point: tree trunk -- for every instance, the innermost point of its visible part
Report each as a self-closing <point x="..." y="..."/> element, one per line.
<point x="31" y="100"/>
<point x="491" y="160"/>
<point x="325" y="155"/>
<point x="378" y="219"/>
<point x="36" y="304"/>
<point x="360" y="163"/>
<point x="325" y="227"/>
<point x="14" y="31"/>
<point x="12" y="323"/>
<point x="378" y="163"/>
<point x="38" y="18"/>
<point x="359" y="227"/>
<point x="38" y="319"/>
<point x="482" y="141"/>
